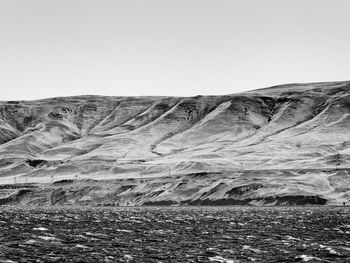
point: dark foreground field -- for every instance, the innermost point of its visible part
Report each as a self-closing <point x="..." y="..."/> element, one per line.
<point x="175" y="234"/>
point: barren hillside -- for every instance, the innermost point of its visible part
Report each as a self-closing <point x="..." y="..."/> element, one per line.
<point x="287" y="144"/>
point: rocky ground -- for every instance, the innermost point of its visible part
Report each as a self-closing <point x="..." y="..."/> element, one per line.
<point x="256" y="188"/>
<point x="175" y="234"/>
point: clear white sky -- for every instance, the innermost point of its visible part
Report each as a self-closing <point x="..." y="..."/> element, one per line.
<point x="54" y="48"/>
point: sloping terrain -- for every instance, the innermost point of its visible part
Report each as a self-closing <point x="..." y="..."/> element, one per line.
<point x="287" y="144"/>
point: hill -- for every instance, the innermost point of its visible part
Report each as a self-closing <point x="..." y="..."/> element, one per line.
<point x="287" y="144"/>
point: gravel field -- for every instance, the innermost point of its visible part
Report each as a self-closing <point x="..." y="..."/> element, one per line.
<point x="175" y="234"/>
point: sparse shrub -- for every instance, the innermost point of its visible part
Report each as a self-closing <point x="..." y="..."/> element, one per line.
<point x="55" y="115"/>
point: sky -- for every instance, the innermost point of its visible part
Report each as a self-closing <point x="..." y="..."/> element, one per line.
<point x="52" y="48"/>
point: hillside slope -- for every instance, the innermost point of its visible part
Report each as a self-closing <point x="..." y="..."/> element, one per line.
<point x="287" y="144"/>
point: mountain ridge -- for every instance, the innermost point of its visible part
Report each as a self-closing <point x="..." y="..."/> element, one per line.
<point x="228" y="138"/>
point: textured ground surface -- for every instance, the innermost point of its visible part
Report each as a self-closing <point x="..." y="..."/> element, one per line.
<point x="262" y="145"/>
<point x="175" y="234"/>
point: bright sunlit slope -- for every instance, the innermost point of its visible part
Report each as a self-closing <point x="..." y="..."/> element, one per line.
<point x="287" y="144"/>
